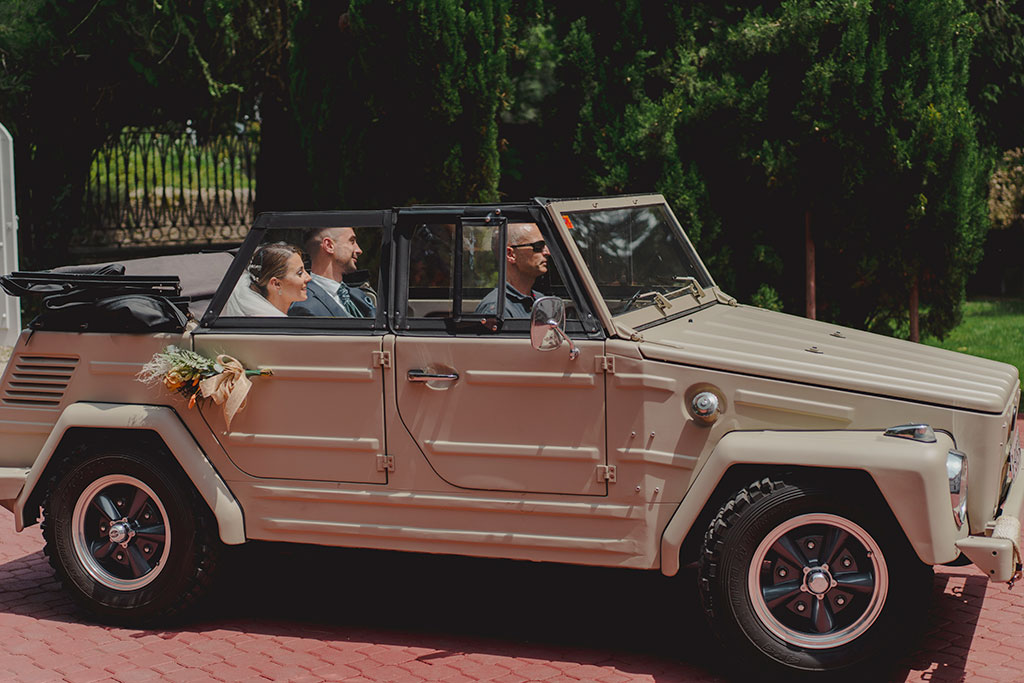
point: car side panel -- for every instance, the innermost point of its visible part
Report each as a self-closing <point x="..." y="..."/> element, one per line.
<point x="419" y="511"/>
<point x="48" y="371"/>
<point x="166" y="424"/>
<point x="319" y="416"/>
<point x="482" y="524"/>
<point x="96" y="368"/>
<point x="512" y="419"/>
<point x="658" y="448"/>
<point x="910" y="475"/>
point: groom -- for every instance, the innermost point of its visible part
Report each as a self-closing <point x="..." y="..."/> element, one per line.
<point x="333" y="253"/>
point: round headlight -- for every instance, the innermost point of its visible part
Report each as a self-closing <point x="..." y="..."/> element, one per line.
<point x="956" y="471"/>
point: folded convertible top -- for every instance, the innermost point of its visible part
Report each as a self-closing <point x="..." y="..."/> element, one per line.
<point x="102" y="300"/>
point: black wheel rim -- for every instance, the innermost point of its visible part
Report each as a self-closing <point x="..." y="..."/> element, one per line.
<point x="818" y="581"/>
<point x="120" y="531"/>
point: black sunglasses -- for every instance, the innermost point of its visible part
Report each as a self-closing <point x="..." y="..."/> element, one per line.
<point x="537" y="246"/>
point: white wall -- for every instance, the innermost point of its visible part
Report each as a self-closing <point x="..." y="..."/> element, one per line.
<point x="10" y="312"/>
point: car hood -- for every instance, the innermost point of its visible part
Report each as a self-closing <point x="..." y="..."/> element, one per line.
<point x="754" y="341"/>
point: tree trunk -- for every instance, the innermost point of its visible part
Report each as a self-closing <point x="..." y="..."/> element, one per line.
<point x="915" y="326"/>
<point x="812" y="306"/>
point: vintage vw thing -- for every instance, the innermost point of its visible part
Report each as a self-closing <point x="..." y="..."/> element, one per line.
<point x="640" y="418"/>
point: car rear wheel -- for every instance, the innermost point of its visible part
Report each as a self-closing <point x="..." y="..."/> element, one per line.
<point x="120" y="532"/>
<point x="806" y="578"/>
<point x="129" y="537"/>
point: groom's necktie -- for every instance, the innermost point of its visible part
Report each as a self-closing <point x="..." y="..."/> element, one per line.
<point x="346" y="301"/>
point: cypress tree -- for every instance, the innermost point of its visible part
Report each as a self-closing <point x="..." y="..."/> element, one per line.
<point x="849" y="118"/>
<point x="935" y="221"/>
<point x="622" y="116"/>
<point x="402" y="105"/>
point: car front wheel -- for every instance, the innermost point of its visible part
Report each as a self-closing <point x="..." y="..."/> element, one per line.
<point x="807" y="578"/>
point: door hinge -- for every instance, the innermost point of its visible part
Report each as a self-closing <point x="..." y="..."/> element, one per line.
<point x="606" y="473"/>
<point x="605" y="364"/>
<point x="382" y="359"/>
<point x="385" y="463"/>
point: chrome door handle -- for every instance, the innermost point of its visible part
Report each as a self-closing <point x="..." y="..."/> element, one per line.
<point x="424" y="376"/>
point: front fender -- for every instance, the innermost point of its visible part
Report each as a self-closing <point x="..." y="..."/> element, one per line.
<point x="166" y="423"/>
<point x="910" y="475"/>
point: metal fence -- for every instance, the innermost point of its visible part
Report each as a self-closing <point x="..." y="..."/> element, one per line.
<point x="164" y="188"/>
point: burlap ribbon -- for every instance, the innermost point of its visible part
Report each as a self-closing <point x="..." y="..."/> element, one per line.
<point x="229" y="388"/>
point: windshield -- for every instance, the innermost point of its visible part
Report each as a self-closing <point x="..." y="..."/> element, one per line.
<point x="636" y="256"/>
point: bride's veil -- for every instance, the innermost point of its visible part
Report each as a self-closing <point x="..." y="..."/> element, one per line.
<point x="244" y="301"/>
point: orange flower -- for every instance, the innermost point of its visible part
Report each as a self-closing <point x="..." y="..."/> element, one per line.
<point x="173" y="380"/>
<point x="192" y="401"/>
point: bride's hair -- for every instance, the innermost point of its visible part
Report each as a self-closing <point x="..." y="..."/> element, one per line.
<point x="270" y="261"/>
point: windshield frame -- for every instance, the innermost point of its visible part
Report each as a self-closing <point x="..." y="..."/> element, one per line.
<point x="645" y="316"/>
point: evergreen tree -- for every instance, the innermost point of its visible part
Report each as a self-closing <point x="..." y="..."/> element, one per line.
<point x="617" y="121"/>
<point x="755" y="119"/>
<point x="996" y="84"/>
<point x="403" y="104"/>
<point x="937" y="173"/>
<point x="849" y="118"/>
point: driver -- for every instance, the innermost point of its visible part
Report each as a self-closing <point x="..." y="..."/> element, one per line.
<point x="526" y="259"/>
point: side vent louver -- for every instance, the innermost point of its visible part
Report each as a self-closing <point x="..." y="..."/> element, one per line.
<point x="38" y="381"/>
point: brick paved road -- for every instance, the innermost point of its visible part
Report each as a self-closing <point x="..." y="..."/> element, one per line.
<point x="312" y="614"/>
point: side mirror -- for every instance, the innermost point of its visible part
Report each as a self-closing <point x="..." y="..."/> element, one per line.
<point x="546" y="320"/>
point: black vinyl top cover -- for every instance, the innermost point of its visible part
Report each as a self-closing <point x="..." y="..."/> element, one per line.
<point x="102" y="300"/>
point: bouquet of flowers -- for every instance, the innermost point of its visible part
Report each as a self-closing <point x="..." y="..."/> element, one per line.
<point x="195" y="377"/>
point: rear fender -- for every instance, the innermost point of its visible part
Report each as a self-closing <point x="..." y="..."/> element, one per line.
<point x="168" y="426"/>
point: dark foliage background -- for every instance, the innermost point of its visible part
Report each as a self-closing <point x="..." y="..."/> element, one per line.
<point x="868" y="129"/>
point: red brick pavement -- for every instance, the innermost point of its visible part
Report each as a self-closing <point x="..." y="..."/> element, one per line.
<point x="319" y="614"/>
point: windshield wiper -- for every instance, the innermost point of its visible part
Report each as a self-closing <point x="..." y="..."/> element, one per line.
<point x="632" y="300"/>
<point x="661" y="299"/>
<point x="691" y="285"/>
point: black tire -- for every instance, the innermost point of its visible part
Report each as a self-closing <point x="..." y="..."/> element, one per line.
<point x="129" y="537"/>
<point x="809" y="580"/>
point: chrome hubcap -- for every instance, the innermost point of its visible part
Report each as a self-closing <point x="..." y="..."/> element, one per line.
<point x="818" y="581"/>
<point x="120" y="532"/>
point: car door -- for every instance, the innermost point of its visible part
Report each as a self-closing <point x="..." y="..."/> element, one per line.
<point x="319" y="415"/>
<point x="483" y="407"/>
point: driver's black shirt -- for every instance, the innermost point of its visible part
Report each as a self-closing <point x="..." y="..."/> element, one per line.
<point x="517" y="304"/>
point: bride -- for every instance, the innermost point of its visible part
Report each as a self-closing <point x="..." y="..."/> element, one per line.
<point x="274" y="280"/>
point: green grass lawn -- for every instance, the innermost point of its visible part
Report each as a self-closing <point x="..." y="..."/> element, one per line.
<point x="992" y="328"/>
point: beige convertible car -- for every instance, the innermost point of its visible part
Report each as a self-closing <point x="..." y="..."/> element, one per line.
<point x="551" y="380"/>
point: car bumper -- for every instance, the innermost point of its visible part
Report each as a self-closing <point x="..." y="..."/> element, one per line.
<point x="12" y="479"/>
<point x="998" y="555"/>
